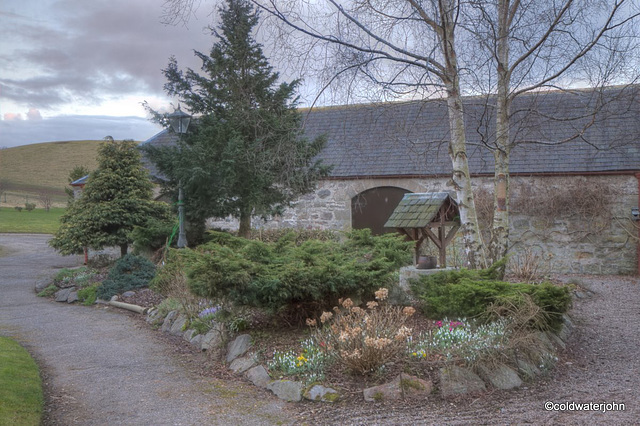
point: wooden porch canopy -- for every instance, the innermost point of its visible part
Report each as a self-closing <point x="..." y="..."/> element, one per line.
<point x="426" y="215"/>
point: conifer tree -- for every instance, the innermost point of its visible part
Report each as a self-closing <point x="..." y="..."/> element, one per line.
<point x="245" y="154"/>
<point x="117" y="197"/>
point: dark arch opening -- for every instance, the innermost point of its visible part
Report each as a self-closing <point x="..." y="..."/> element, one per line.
<point x="372" y="208"/>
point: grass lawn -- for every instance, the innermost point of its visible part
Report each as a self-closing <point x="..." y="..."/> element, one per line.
<point x="37" y="221"/>
<point x="21" y="398"/>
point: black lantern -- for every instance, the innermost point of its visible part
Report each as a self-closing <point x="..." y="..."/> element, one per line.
<point x="179" y="121"/>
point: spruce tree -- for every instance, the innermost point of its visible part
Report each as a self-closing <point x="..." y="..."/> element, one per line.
<point x="244" y="154"/>
<point x="116" y="198"/>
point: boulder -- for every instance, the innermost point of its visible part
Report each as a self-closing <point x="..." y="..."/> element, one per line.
<point x="154" y="317"/>
<point x="63" y="294"/>
<point x="387" y="392"/>
<point x="556" y="340"/>
<point x="213" y="338"/>
<point x="287" y="390"/>
<point x="73" y="297"/>
<point x="401" y="386"/>
<point x="500" y="376"/>
<point x="258" y="376"/>
<point x="242" y="364"/>
<point x="188" y="335"/>
<point x="320" y="393"/>
<point x="128" y="294"/>
<point x="168" y="321"/>
<point x="528" y="369"/>
<point x="456" y="380"/>
<point x="238" y="347"/>
<point x="177" y="328"/>
<point x="545" y="343"/>
<point x="197" y="341"/>
<point x="566" y="328"/>
<point x="412" y="385"/>
<point x="42" y="283"/>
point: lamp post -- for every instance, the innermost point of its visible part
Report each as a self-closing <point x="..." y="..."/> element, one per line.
<point x="179" y="121"/>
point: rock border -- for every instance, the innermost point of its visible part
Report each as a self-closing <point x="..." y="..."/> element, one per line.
<point x="453" y="380"/>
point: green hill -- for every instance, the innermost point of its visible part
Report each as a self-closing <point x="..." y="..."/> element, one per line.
<point x="27" y="170"/>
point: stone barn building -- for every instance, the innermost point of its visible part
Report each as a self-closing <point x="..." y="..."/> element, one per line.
<point x="575" y="173"/>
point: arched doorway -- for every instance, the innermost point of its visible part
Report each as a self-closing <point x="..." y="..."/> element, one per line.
<point x="372" y="208"/>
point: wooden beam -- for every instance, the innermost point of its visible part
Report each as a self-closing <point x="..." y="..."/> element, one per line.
<point x="432" y="237"/>
<point x="450" y="235"/>
<point x="443" y="247"/>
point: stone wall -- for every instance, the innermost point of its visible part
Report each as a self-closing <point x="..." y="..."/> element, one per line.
<point x="566" y="239"/>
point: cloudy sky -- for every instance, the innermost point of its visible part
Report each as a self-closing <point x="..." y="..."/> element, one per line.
<point x="80" y="69"/>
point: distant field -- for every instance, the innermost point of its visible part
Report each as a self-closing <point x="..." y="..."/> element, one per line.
<point x="27" y="170"/>
<point x="37" y="221"/>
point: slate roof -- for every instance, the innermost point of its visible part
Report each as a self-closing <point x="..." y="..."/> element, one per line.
<point x="164" y="138"/>
<point x="411" y="138"/>
<point x="417" y="210"/>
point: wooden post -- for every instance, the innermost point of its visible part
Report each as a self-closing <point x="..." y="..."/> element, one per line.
<point x="443" y="247"/>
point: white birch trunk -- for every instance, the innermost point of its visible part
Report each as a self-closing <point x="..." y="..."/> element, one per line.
<point x="461" y="178"/>
<point x="500" y="227"/>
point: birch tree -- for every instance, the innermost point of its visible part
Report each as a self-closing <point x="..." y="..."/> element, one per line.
<point x="539" y="44"/>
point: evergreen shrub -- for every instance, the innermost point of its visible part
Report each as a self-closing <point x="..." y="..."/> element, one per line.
<point x="469" y="293"/>
<point x="129" y="273"/>
<point x="304" y="277"/>
<point x="153" y="235"/>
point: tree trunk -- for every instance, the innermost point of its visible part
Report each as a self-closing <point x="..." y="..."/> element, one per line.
<point x="123" y="249"/>
<point x="245" y="224"/>
<point x="461" y="178"/>
<point x="500" y="228"/>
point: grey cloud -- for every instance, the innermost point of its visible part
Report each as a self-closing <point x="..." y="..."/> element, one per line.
<point x="96" y="49"/>
<point x="64" y="128"/>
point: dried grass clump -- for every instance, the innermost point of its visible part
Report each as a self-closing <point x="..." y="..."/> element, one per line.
<point x="523" y="321"/>
<point x="530" y="266"/>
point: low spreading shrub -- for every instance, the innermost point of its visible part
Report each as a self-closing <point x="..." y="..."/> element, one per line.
<point x="88" y="295"/>
<point x="467" y="293"/>
<point x="129" y="273"/>
<point x="303" y="278"/>
<point x="48" y="291"/>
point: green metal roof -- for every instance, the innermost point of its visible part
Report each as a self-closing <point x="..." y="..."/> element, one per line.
<point x="417" y="210"/>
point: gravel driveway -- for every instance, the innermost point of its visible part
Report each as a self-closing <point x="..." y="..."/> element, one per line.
<point x="101" y="367"/>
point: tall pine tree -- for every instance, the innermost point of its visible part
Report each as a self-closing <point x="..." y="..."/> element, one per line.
<point x="245" y="154"/>
<point x="116" y="198"/>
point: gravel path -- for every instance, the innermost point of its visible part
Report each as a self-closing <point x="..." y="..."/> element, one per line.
<point x="102" y="367"/>
<point x="601" y="364"/>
